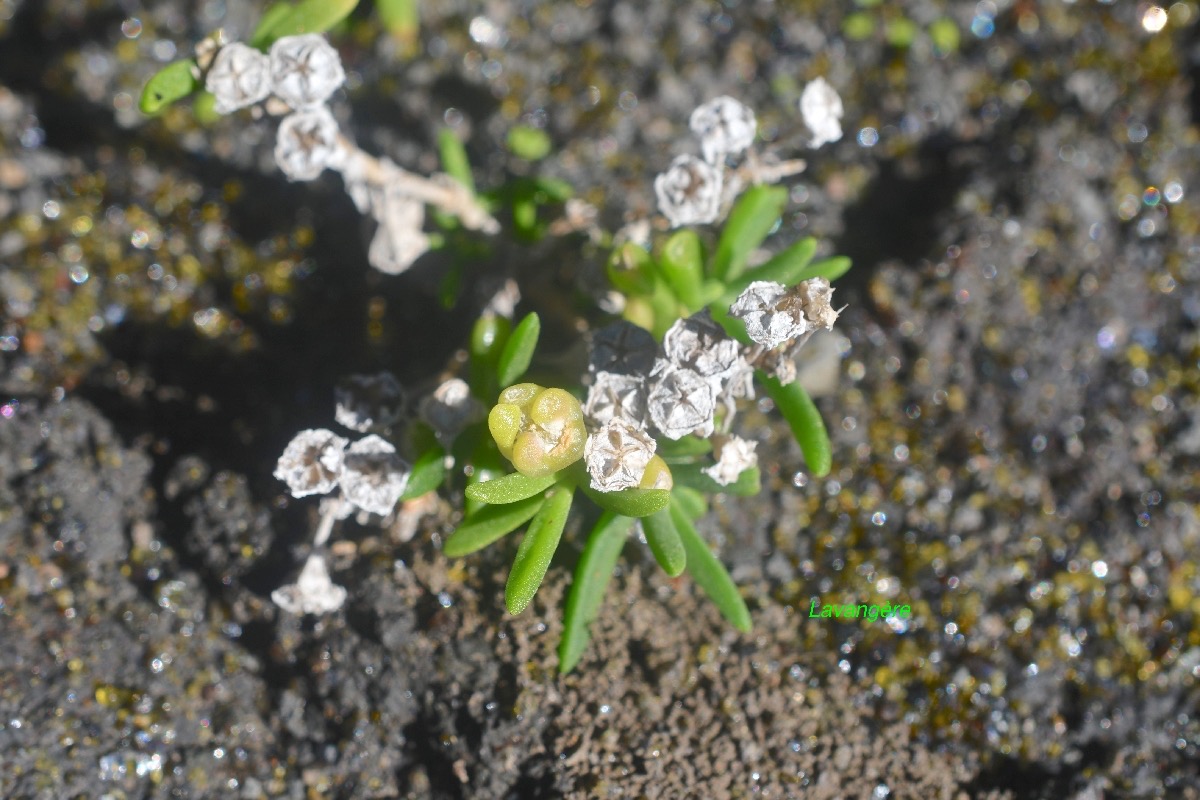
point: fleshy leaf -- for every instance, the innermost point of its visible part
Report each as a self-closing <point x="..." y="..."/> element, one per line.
<point x="518" y="350"/>
<point x="630" y="502"/>
<point x="710" y="574"/>
<point x="805" y="421"/>
<point x="173" y="82"/>
<point x="751" y="219"/>
<point x="691" y="501"/>
<point x="489" y="524"/>
<point x="692" y="475"/>
<point x="427" y="473"/>
<point x="275" y="13"/>
<point x="830" y="269"/>
<point x="511" y="488"/>
<point x="681" y="450"/>
<point x="402" y="19"/>
<point x="664" y="542"/>
<point x="681" y="263"/>
<point x="537" y="549"/>
<point x="555" y="190"/>
<point x="592" y="574"/>
<point x="454" y="158"/>
<point x="531" y="144"/>
<point x="308" y="16"/>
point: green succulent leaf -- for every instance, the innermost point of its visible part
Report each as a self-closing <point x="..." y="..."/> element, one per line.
<point x="454" y="159"/>
<point x="173" y="82"/>
<point x="537" y="549"/>
<point x="692" y="476"/>
<point x="307" y="16"/>
<point x="518" y="350"/>
<point x="830" y="269"/>
<point x="689" y="448"/>
<point x="489" y="524"/>
<point x="555" y="190"/>
<point x="531" y="144"/>
<point x="681" y="262"/>
<point x="710" y="574"/>
<point x="273" y="16"/>
<point x="630" y="269"/>
<point x="691" y="501"/>
<point x="204" y="107"/>
<point x="751" y="219"/>
<point x="427" y="473"/>
<point x="402" y="19"/>
<point x="511" y="488"/>
<point x="592" y="573"/>
<point x="664" y="542"/>
<point x="805" y="421"/>
<point x="630" y="502"/>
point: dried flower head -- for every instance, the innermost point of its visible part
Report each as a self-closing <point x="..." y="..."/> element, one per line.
<point x="312" y="462"/>
<point x="689" y="193"/>
<point x="539" y="430"/>
<point x="622" y="347"/>
<point x="374" y="475"/>
<point x="312" y="593"/>
<point x="307" y="143"/>
<point x="681" y="401"/>
<point x="616" y="396"/>
<point x="821" y="108"/>
<point x="450" y="409"/>
<point x="724" y="126"/>
<point x="240" y="76"/>
<point x="734" y="456"/>
<point x="617" y="456"/>
<point x="364" y="402"/>
<point x="305" y="70"/>
<point x="701" y="345"/>
<point x="814" y="296"/>
<point x="769" y="320"/>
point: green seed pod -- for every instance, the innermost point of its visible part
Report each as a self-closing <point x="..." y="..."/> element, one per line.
<point x="540" y="430"/>
<point x="657" y="475"/>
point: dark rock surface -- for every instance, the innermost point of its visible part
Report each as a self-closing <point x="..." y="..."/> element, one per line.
<point x="1016" y="429"/>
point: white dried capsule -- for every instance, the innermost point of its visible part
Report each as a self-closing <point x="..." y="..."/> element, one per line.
<point x="305" y="70"/>
<point x="735" y="455"/>
<point x="374" y="476"/>
<point x="724" y="127"/>
<point x="450" y="409"/>
<point x="769" y="320"/>
<point x="307" y="143"/>
<point x="689" y="193"/>
<point x="617" y="455"/>
<point x="240" y="76"/>
<point x="312" y="462"/>
<point x="680" y="401"/>
<point x="624" y="348"/>
<point x="821" y="108"/>
<point x="701" y="345"/>
<point x="312" y="593"/>
<point x="364" y="402"/>
<point x="616" y="396"/>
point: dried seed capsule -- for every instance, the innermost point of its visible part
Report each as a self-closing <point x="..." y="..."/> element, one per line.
<point x="539" y="430"/>
<point x="312" y="593"/>
<point x="374" y="475"/>
<point x="450" y="409"/>
<point x="680" y="401"/>
<point x="617" y="456"/>
<point x="821" y="108"/>
<point x="815" y="296"/>
<point x="399" y="240"/>
<point x="615" y="396"/>
<point x="769" y="320"/>
<point x="305" y="70"/>
<point x="623" y="348"/>
<point x="240" y="76"/>
<point x="364" y="402"/>
<point x="307" y="143"/>
<point x="724" y="126"/>
<point x="734" y="456"/>
<point x="699" y="344"/>
<point x="312" y="462"/>
<point x="689" y="193"/>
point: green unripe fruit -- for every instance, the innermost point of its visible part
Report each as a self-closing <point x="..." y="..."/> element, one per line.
<point x="539" y="430"/>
